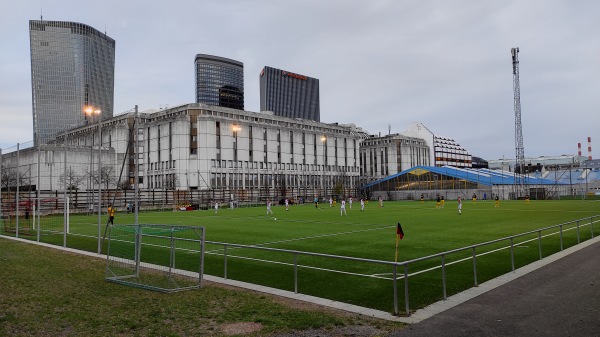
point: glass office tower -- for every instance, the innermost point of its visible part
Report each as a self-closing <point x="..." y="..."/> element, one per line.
<point x="72" y="66"/>
<point x="288" y="94"/>
<point x="219" y="81"/>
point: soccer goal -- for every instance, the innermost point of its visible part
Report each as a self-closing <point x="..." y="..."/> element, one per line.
<point x="164" y="258"/>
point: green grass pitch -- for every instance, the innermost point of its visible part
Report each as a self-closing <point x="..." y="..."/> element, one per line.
<point x="370" y="235"/>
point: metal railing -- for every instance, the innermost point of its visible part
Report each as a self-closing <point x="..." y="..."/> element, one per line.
<point x="405" y="264"/>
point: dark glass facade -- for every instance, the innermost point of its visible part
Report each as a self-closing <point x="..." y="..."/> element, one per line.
<point x="289" y="94"/>
<point x="72" y="66"/>
<point x="219" y="81"/>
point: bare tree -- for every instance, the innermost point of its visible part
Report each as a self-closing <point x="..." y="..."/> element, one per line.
<point x="71" y="180"/>
<point x="107" y="176"/>
<point x="171" y="182"/>
<point x="125" y="184"/>
<point x="9" y="178"/>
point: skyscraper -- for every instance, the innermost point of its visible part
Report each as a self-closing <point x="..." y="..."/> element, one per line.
<point x="289" y="94"/>
<point x="72" y="67"/>
<point x="219" y="81"/>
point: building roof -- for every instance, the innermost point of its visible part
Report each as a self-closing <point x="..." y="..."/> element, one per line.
<point x="481" y="176"/>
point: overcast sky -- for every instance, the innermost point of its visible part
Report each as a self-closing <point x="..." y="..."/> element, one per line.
<point x="446" y="64"/>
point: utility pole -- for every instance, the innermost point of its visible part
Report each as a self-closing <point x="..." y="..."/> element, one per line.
<point x="520" y="183"/>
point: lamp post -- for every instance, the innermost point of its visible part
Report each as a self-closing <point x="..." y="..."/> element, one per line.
<point x="236" y="128"/>
<point x="324" y="141"/>
<point x="91" y="111"/>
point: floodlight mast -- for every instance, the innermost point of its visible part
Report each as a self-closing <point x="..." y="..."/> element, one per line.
<point x="520" y="183"/>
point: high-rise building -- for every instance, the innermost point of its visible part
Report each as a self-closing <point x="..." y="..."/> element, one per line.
<point x="72" y="67"/>
<point x="219" y="81"/>
<point x="289" y="94"/>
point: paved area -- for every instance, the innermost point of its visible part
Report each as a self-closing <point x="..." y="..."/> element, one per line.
<point x="561" y="298"/>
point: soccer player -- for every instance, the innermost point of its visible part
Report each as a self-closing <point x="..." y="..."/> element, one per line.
<point x="443" y="201"/>
<point x="362" y="204"/>
<point x="287" y="204"/>
<point x="496" y="201"/>
<point x="459" y="206"/>
<point x="330" y="202"/>
<point x="438" y="202"/>
<point x="317" y="202"/>
<point x="343" y="207"/>
<point x="527" y="199"/>
<point x="422" y="198"/>
<point x="350" y="201"/>
<point x="216" y="206"/>
<point x="474" y="198"/>
<point x="269" y="207"/>
<point x="111" y="215"/>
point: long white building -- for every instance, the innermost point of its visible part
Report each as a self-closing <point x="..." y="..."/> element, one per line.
<point x="200" y="147"/>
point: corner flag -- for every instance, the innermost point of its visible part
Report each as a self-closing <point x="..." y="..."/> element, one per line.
<point x="399" y="231"/>
<point x="399" y="234"/>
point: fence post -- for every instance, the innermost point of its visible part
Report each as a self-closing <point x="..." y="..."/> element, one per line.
<point x="406" y="289"/>
<point x="540" y="243"/>
<point x="225" y="262"/>
<point x="1" y="185"/>
<point x="202" y="248"/>
<point x="65" y="201"/>
<point x="561" y="237"/>
<point x="444" y="274"/>
<point x="17" y="196"/>
<point x="512" y="253"/>
<point x="395" y="282"/>
<point x="39" y="192"/>
<point x="295" y="273"/>
<point x="474" y="268"/>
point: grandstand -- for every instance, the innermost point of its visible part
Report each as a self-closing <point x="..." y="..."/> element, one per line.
<point x="452" y="182"/>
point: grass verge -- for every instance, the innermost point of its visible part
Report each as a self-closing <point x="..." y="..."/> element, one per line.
<point x="53" y="293"/>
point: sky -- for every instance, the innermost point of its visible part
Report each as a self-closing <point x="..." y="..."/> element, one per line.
<point x="381" y="64"/>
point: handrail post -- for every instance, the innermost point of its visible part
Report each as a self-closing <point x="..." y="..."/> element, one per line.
<point x="295" y="273"/>
<point x="225" y="262"/>
<point x="395" y="281"/>
<point x="474" y="268"/>
<point x="512" y="253"/>
<point x="406" y="289"/>
<point x="561" y="237"/>
<point x="444" y="274"/>
<point x="540" y="243"/>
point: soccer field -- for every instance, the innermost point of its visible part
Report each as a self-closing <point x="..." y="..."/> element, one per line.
<point x="371" y="235"/>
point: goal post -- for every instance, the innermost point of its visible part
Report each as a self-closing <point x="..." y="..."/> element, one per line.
<point x="163" y="258"/>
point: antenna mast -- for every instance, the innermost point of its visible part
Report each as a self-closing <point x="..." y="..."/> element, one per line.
<point x="520" y="183"/>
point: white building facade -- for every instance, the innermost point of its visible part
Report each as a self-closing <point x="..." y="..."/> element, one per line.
<point x="387" y="155"/>
<point x="205" y="148"/>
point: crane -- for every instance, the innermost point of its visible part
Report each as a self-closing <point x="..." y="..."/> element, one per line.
<point x="520" y="183"/>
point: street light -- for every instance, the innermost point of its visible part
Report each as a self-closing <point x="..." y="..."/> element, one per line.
<point x="236" y="128"/>
<point x="91" y="111"/>
<point x="324" y="141"/>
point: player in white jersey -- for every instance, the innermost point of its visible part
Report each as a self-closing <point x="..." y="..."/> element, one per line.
<point x="343" y="207"/>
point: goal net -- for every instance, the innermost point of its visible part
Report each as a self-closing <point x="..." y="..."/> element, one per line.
<point x="164" y="258"/>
